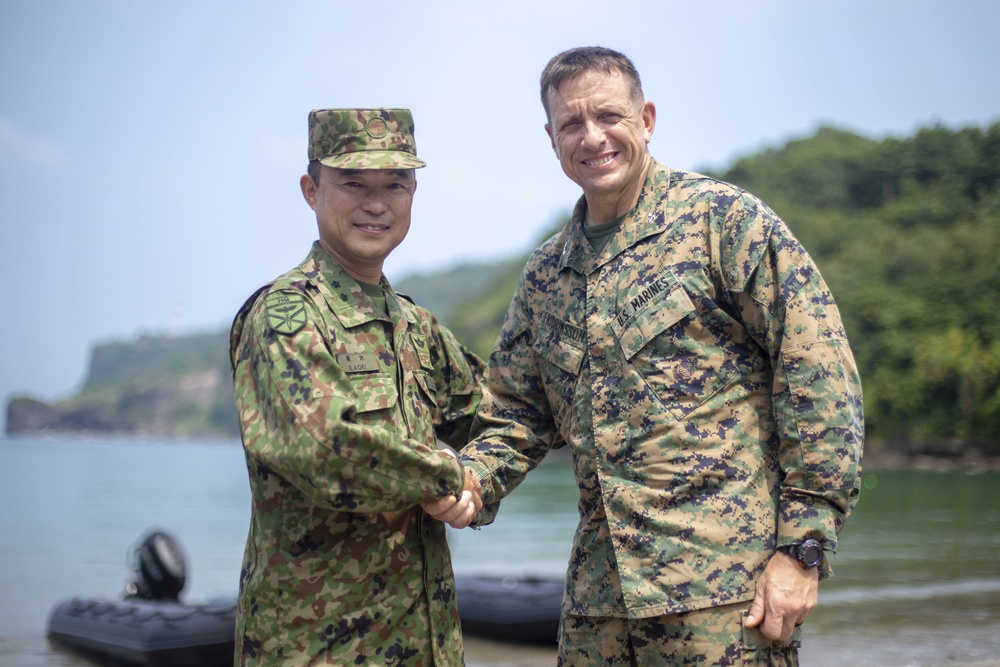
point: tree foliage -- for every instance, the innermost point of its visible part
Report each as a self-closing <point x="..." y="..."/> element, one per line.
<point x="907" y="233"/>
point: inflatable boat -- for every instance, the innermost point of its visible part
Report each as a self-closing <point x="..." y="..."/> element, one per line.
<point x="522" y="610"/>
<point x="150" y="626"/>
<point x="154" y="633"/>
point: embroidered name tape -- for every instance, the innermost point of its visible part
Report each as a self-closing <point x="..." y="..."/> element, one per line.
<point x="357" y="362"/>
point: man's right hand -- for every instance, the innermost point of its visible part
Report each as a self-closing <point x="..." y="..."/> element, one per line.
<point x="458" y="511"/>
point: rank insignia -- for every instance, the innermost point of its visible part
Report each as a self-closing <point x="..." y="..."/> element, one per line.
<point x="286" y="313"/>
<point x="376" y="128"/>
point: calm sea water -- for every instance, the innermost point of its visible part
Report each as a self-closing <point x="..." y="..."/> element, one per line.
<point x="917" y="577"/>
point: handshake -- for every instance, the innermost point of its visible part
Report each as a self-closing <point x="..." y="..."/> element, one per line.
<point x="457" y="511"/>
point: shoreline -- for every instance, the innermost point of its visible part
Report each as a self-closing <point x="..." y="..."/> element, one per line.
<point x="877" y="456"/>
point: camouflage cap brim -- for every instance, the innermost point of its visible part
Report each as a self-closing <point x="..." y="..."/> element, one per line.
<point x="363" y="139"/>
<point x="373" y="160"/>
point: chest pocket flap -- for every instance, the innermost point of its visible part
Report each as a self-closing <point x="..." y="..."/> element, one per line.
<point x="659" y="314"/>
<point x="372" y="391"/>
<point x="561" y="343"/>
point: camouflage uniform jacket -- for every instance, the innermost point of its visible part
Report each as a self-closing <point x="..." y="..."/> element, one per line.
<point x="699" y="372"/>
<point x="339" y="408"/>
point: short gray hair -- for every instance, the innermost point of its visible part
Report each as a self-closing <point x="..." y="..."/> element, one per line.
<point x="570" y="64"/>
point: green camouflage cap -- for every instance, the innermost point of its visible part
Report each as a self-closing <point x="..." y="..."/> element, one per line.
<point x="363" y="139"/>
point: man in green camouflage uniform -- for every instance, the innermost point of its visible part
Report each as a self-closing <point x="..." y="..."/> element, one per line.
<point x="682" y="343"/>
<point x="343" y="388"/>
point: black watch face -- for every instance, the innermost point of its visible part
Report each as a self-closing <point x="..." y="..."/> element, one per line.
<point x="811" y="554"/>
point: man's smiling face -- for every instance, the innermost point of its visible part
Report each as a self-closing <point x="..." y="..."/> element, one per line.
<point x="363" y="214"/>
<point x="599" y="133"/>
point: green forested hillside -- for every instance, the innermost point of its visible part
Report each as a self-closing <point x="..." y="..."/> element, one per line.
<point x="905" y="230"/>
<point x="907" y="234"/>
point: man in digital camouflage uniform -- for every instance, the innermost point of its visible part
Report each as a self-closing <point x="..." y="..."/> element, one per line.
<point x="682" y="343"/>
<point x="343" y="387"/>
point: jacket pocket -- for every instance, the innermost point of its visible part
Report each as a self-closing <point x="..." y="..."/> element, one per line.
<point x="560" y="343"/>
<point x="561" y="347"/>
<point x="675" y="353"/>
<point x="372" y="391"/>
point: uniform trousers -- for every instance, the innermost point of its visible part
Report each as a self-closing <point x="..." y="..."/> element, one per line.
<point x="713" y="636"/>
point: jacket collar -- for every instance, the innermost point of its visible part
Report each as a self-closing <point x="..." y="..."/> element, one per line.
<point x="643" y="220"/>
<point x="343" y="293"/>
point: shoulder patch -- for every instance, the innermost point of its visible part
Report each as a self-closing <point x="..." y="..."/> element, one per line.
<point x="286" y="313"/>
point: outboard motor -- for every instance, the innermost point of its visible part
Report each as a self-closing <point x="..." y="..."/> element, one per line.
<point x="158" y="568"/>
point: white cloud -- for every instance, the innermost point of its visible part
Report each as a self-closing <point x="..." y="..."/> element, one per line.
<point x="23" y="147"/>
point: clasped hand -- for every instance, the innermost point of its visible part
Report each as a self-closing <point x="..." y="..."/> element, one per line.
<point x="457" y="511"/>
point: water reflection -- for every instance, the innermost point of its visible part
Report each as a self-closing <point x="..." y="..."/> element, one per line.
<point x="917" y="574"/>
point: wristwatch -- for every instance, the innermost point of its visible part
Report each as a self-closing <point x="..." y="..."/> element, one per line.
<point x="809" y="553"/>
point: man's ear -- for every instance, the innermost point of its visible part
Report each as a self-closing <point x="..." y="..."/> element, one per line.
<point x="648" y="119"/>
<point x="552" y="139"/>
<point x="308" y="187"/>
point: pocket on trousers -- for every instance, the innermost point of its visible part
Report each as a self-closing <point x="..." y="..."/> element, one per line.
<point x="759" y="651"/>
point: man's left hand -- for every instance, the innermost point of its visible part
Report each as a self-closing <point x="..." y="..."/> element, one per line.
<point x="785" y="595"/>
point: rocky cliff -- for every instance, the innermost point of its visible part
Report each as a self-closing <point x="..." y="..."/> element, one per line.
<point x="154" y="386"/>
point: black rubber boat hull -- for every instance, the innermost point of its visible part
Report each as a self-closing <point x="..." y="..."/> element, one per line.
<point x="148" y="632"/>
<point x="520" y="610"/>
<point x="154" y="633"/>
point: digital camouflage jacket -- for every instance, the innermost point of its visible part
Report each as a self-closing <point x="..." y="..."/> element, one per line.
<point x="339" y="408"/>
<point x="699" y="372"/>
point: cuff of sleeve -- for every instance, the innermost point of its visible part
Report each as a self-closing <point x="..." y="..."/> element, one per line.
<point x="490" y="505"/>
<point x="478" y="469"/>
<point x="453" y="485"/>
<point x="802" y="518"/>
<point x="486" y="515"/>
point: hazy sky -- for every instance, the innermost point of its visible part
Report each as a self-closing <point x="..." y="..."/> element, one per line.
<point x="150" y="152"/>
